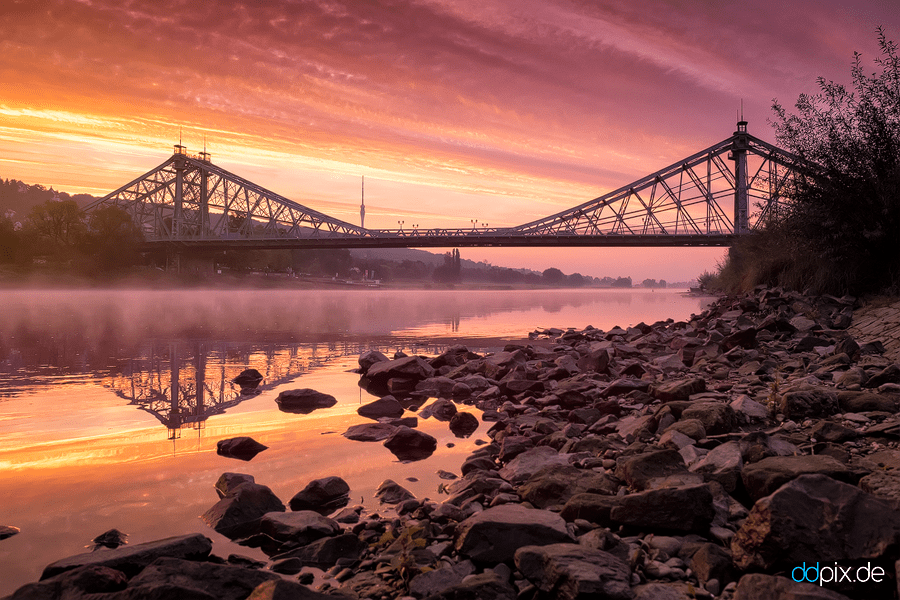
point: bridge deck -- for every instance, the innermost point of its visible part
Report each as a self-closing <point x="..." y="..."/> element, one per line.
<point x="472" y="240"/>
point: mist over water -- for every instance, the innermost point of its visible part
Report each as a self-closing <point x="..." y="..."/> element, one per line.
<point x="112" y="401"/>
<point x="100" y="321"/>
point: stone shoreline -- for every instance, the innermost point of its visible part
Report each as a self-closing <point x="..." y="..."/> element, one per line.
<point x="713" y="458"/>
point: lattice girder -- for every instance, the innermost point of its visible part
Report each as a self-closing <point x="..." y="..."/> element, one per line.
<point x="190" y="201"/>
<point x="685" y="198"/>
<point x="187" y="199"/>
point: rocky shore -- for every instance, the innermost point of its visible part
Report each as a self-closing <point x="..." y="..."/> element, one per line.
<point x="728" y="456"/>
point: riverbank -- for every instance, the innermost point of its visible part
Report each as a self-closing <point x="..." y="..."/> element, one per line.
<point x="683" y="459"/>
<point x="158" y="279"/>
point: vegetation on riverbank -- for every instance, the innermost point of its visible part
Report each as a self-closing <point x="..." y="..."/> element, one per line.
<point x="839" y="231"/>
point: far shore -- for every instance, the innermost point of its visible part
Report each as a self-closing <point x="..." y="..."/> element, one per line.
<point x="158" y="279"/>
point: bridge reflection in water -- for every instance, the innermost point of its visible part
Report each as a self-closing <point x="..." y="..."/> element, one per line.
<point x="182" y="384"/>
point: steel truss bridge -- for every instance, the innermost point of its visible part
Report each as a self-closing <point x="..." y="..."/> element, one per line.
<point x="702" y="200"/>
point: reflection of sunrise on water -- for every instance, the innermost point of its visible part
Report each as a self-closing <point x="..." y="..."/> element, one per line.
<point x="90" y="438"/>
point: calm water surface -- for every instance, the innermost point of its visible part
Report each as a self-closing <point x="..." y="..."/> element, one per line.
<point x="111" y="402"/>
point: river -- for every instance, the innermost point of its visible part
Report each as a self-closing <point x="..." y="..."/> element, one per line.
<point x="112" y="401"/>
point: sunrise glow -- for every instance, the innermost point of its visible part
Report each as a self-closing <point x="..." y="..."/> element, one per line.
<point x="493" y="111"/>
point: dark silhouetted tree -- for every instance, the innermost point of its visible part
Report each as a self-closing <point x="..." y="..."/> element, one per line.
<point x="451" y="270"/>
<point x="112" y="239"/>
<point x="553" y="276"/>
<point x="576" y="280"/>
<point x="59" y="226"/>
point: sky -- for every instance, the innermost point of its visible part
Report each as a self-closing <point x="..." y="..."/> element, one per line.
<point x="495" y="111"/>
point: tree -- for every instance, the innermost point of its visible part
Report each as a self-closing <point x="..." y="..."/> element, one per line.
<point x="576" y="280"/>
<point x="553" y="276"/>
<point x="112" y="238"/>
<point x="839" y="231"/>
<point x="450" y="271"/>
<point x="10" y="239"/>
<point x="59" y="223"/>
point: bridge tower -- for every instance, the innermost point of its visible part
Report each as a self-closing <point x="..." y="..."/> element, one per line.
<point x="180" y="166"/>
<point x="205" y="157"/>
<point x="738" y="154"/>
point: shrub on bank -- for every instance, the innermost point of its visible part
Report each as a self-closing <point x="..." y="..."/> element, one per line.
<point x="839" y="231"/>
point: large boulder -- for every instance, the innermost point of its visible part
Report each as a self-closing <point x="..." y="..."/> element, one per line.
<point x="130" y="560"/>
<point x="594" y="360"/>
<point x="435" y="581"/>
<point x="303" y="401"/>
<point x="437" y="387"/>
<point x="514" y="445"/>
<point x="884" y="484"/>
<point x="498" y="365"/>
<point x="744" y="338"/>
<point x="322" y="495"/>
<point x="387" y="406"/>
<point x="441" y="409"/>
<point x="494" y="535"/>
<point x="556" y="484"/>
<point x="815" y="518"/>
<point x="410" y="368"/>
<point x="369" y="432"/>
<point x="463" y="424"/>
<point x="575" y="572"/>
<point x="224" y="582"/>
<point x="649" y="469"/>
<point x="865" y="401"/>
<point x="716" y="417"/>
<point x="248" y="379"/>
<point x="692" y="428"/>
<point x="764" y="477"/>
<point x="369" y="358"/>
<point x="680" y="389"/>
<point x="526" y="464"/>
<point x="391" y="492"/>
<point x="327" y="551"/>
<point x="712" y="561"/>
<point x="809" y="403"/>
<point x="890" y="374"/>
<point x="229" y="481"/>
<point x="298" y="528"/>
<point x="746" y="409"/>
<point x="242" y="448"/>
<point x="594" y="508"/>
<point x="410" y="444"/>
<point x="75" y="583"/>
<point x="723" y="464"/>
<point x="239" y="512"/>
<point x="686" y="508"/>
<point x="453" y="356"/>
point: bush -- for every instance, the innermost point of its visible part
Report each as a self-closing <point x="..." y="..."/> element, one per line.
<point x="839" y="232"/>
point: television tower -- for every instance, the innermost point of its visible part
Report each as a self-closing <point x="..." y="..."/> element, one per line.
<point x="362" y="207"/>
